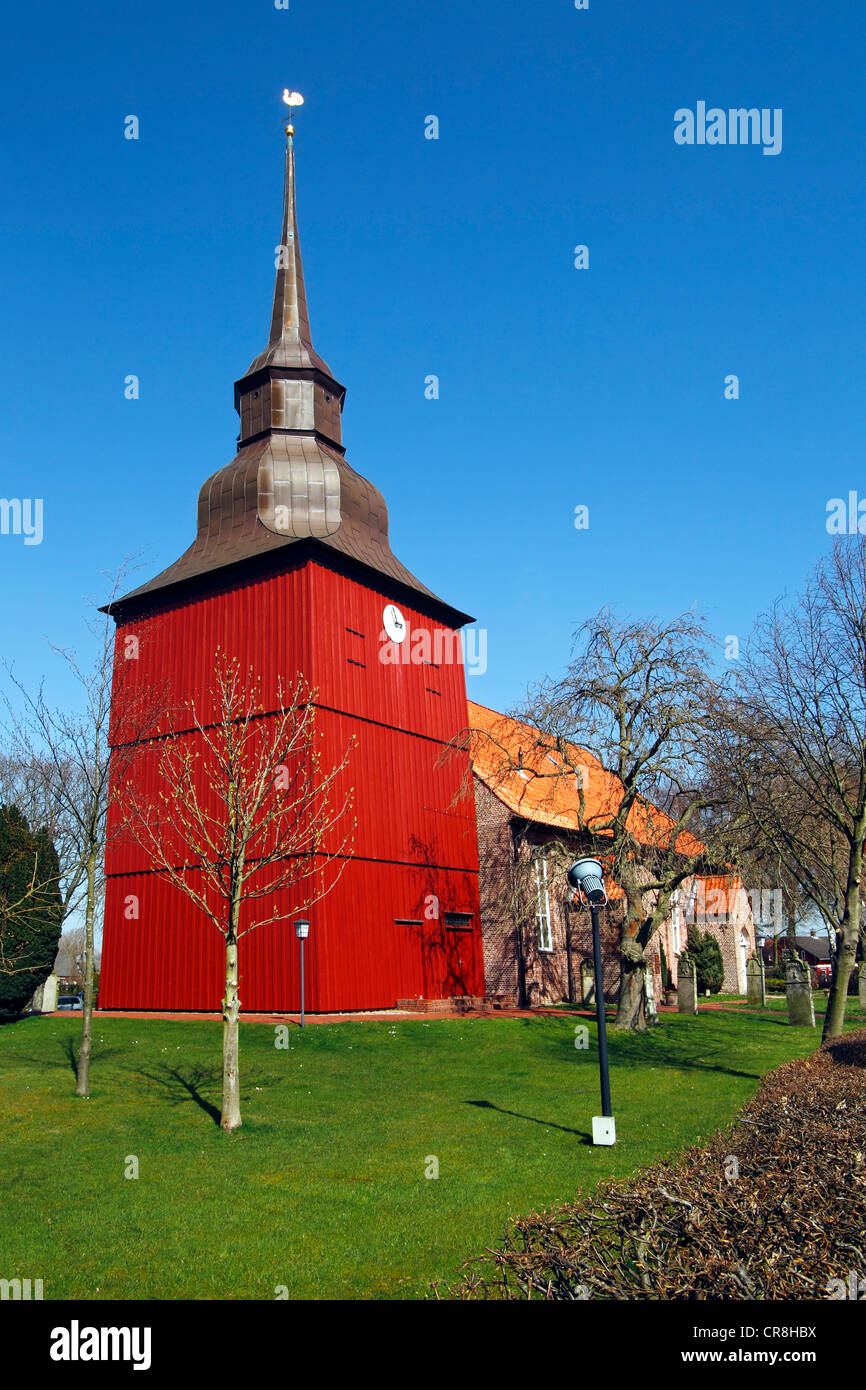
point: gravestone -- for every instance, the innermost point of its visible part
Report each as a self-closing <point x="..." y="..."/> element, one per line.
<point x="687" y="987"/>
<point x="756" y="984"/>
<point x="862" y="985"/>
<point x="44" y="1000"/>
<point x="587" y="984"/>
<point x="652" y="1016"/>
<point x="798" y="990"/>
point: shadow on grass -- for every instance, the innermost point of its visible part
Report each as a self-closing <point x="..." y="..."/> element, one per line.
<point x="70" y="1052"/>
<point x="185" y="1083"/>
<point x="547" y="1124"/>
<point x="697" y="1044"/>
<point x="68" y="1047"/>
<point x="703" y="1060"/>
<point x="639" y="1051"/>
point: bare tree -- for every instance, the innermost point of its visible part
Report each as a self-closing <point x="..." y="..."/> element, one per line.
<point x="29" y="780"/>
<point x="776" y="895"/>
<point x="794" y="746"/>
<point x="61" y="758"/>
<point x="245" y="809"/>
<point x="638" y="698"/>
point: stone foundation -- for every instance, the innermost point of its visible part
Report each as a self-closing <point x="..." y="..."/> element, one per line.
<point x="460" y="1004"/>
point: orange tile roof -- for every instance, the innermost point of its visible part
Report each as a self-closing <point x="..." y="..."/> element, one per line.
<point x="544" y="789"/>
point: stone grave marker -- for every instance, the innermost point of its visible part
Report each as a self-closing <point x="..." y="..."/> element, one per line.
<point x="756" y="984"/>
<point x="652" y="1015"/>
<point x="798" y="991"/>
<point x="687" y="987"/>
<point x="49" y="994"/>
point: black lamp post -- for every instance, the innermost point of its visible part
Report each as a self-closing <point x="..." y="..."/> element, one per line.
<point x="302" y="931"/>
<point x="586" y="877"/>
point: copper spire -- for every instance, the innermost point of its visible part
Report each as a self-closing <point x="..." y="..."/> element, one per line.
<point x="290" y="343"/>
<point x="289" y="387"/>
<point x="289" y="481"/>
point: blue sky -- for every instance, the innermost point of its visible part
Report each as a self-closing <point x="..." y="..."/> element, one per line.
<point x="558" y="387"/>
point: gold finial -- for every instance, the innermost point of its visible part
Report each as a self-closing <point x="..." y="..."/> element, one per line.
<point x="292" y="99"/>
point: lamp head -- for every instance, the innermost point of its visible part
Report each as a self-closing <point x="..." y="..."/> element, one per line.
<point x="302" y="930"/>
<point x="586" y="876"/>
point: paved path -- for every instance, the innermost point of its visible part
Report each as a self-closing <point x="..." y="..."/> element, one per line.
<point x="382" y="1015"/>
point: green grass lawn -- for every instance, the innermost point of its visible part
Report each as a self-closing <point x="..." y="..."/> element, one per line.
<point x="323" y="1190"/>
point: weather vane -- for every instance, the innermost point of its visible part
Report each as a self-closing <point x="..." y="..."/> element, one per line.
<point x="292" y="99"/>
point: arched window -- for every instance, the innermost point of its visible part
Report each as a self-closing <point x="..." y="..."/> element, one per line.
<point x="542" y="915"/>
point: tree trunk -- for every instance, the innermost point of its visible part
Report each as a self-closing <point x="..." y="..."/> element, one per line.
<point x="82" y="1084"/>
<point x="792" y="929"/>
<point x="231" y="1111"/>
<point x="834" y="1018"/>
<point x="631" y="1007"/>
<point x="846" y="953"/>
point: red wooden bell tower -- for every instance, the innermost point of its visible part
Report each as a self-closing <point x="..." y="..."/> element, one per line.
<point x="292" y="570"/>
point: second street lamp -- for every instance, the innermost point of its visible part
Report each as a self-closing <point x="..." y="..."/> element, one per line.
<point x="586" y="876"/>
<point x="302" y="931"/>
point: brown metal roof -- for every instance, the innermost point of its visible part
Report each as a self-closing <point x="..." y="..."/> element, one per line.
<point x="326" y="500"/>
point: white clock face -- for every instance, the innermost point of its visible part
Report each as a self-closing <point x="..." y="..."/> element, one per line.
<point x="396" y="627"/>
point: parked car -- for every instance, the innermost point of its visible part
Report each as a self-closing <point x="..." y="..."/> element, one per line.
<point x="70" y="1001"/>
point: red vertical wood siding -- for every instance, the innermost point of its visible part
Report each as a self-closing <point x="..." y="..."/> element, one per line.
<point x="415" y="845"/>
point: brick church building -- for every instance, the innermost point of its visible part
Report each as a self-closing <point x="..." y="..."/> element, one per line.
<point x="537" y="940"/>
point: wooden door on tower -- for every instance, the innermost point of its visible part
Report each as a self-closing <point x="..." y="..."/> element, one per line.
<point x="459" y="952"/>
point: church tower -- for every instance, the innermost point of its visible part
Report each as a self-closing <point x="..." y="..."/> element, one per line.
<point x="291" y="569"/>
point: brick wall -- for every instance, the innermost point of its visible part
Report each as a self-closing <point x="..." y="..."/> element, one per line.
<point x="499" y="934"/>
<point x="509" y="917"/>
<point x="514" y="960"/>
